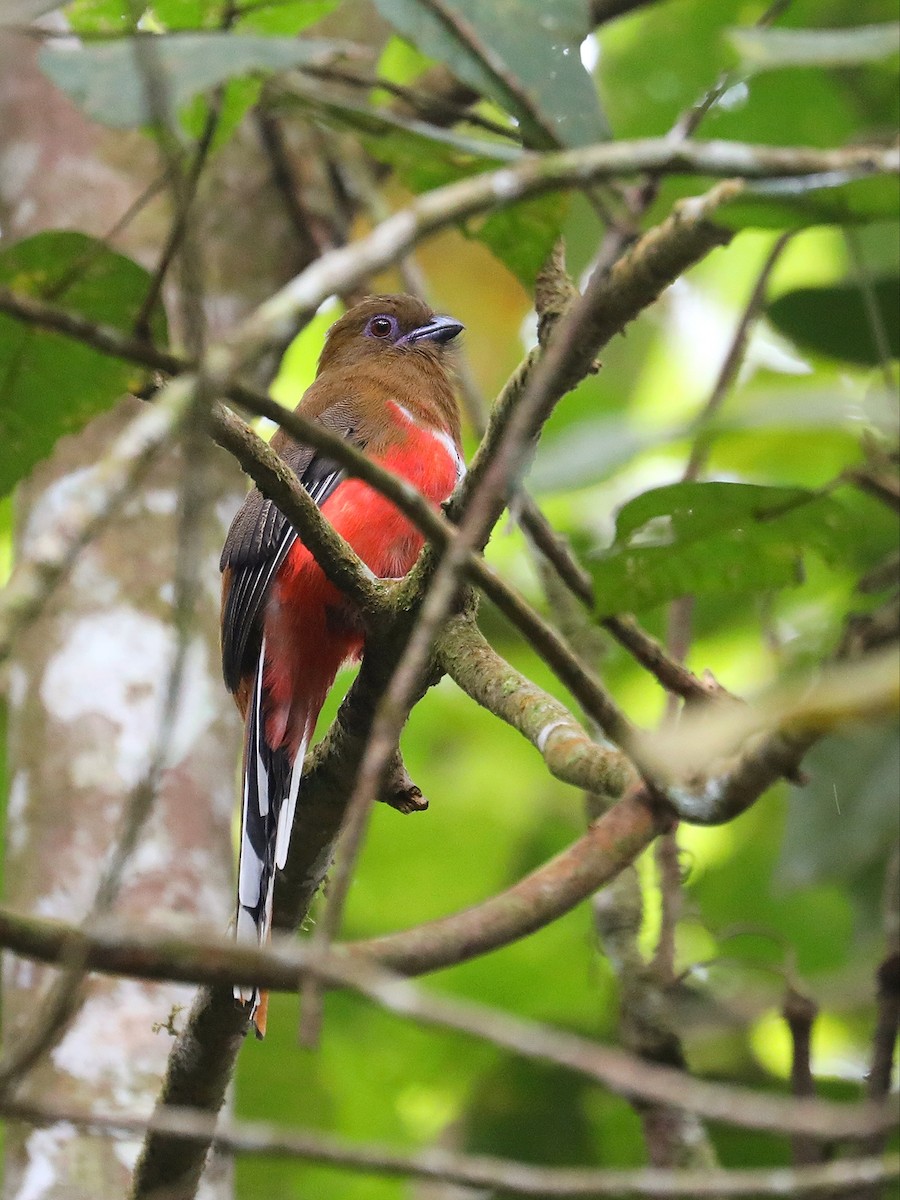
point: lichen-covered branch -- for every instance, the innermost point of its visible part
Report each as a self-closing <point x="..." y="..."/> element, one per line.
<point x="273" y="476"/>
<point x="570" y="754"/>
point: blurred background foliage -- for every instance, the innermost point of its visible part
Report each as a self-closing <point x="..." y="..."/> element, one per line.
<point x="792" y="890"/>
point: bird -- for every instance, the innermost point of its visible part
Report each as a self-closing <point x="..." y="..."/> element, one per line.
<point x="384" y="383"/>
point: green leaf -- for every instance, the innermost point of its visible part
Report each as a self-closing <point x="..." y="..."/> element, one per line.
<point x="771" y="49"/>
<point x="838" y="198"/>
<point x="523" y="236"/>
<point x="844" y="823"/>
<point x="282" y="18"/>
<point x="51" y="385"/>
<point x="835" y="321"/>
<point x="524" y="54"/>
<point x="108" y="17"/>
<point x="714" y="539"/>
<point x="105" y="80"/>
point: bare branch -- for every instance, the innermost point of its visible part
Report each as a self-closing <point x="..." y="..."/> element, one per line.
<point x="673" y="675"/>
<point x="611" y="299"/>
<point x="480" y="1171"/>
<point x="553" y="889"/>
<point x="535" y="174"/>
<point x="283" y="965"/>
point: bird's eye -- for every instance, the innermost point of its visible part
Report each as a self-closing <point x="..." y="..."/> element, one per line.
<point x="381" y="327"/>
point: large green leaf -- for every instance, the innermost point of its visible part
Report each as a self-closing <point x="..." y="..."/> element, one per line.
<point x="105" y="78"/>
<point x="838" y="198"/>
<point x="280" y="17"/>
<point x="772" y="48"/>
<point x="51" y="385"/>
<point x="713" y="539"/>
<point x="524" y="54"/>
<point x="835" y="320"/>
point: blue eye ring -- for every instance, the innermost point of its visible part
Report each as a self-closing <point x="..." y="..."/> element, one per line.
<point x="381" y="326"/>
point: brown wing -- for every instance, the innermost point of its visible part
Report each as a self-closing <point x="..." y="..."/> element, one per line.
<point x="257" y="544"/>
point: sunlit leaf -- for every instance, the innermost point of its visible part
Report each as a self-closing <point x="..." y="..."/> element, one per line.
<point x="106" y="80"/>
<point x="51" y="385"/>
<point x="522" y="53"/>
<point x="273" y="17"/>
<point x="99" y="17"/>
<point x="281" y="17"/>
<point x="836" y="321"/>
<point x="714" y="538"/>
<point x="767" y="49"/>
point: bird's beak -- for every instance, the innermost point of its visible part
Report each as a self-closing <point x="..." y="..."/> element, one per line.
<point x="440" y="330"/>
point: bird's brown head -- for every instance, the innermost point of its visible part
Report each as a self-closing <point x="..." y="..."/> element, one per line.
<point x="391" y="327"/>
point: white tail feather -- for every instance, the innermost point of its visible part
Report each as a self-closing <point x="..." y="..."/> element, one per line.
<point x="250" y="868"/>
<point x="289" y="807"/>
<point x="256" y="869"/>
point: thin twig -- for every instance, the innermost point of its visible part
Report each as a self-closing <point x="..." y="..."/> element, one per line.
<point x="679" y="631"/>
<point x="494" y="66"/>
<point x="272" y="139"/>
<point x="430" y="106"/>
<point x="800" y="1012"/>
<point x="672" y="675"/>
<point x="733" y="360"/>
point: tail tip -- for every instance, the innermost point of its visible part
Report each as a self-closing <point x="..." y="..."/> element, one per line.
<point x="258" y="1003"/>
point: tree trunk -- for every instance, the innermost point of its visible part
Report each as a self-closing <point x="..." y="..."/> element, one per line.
<point x="87" y="679"/>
